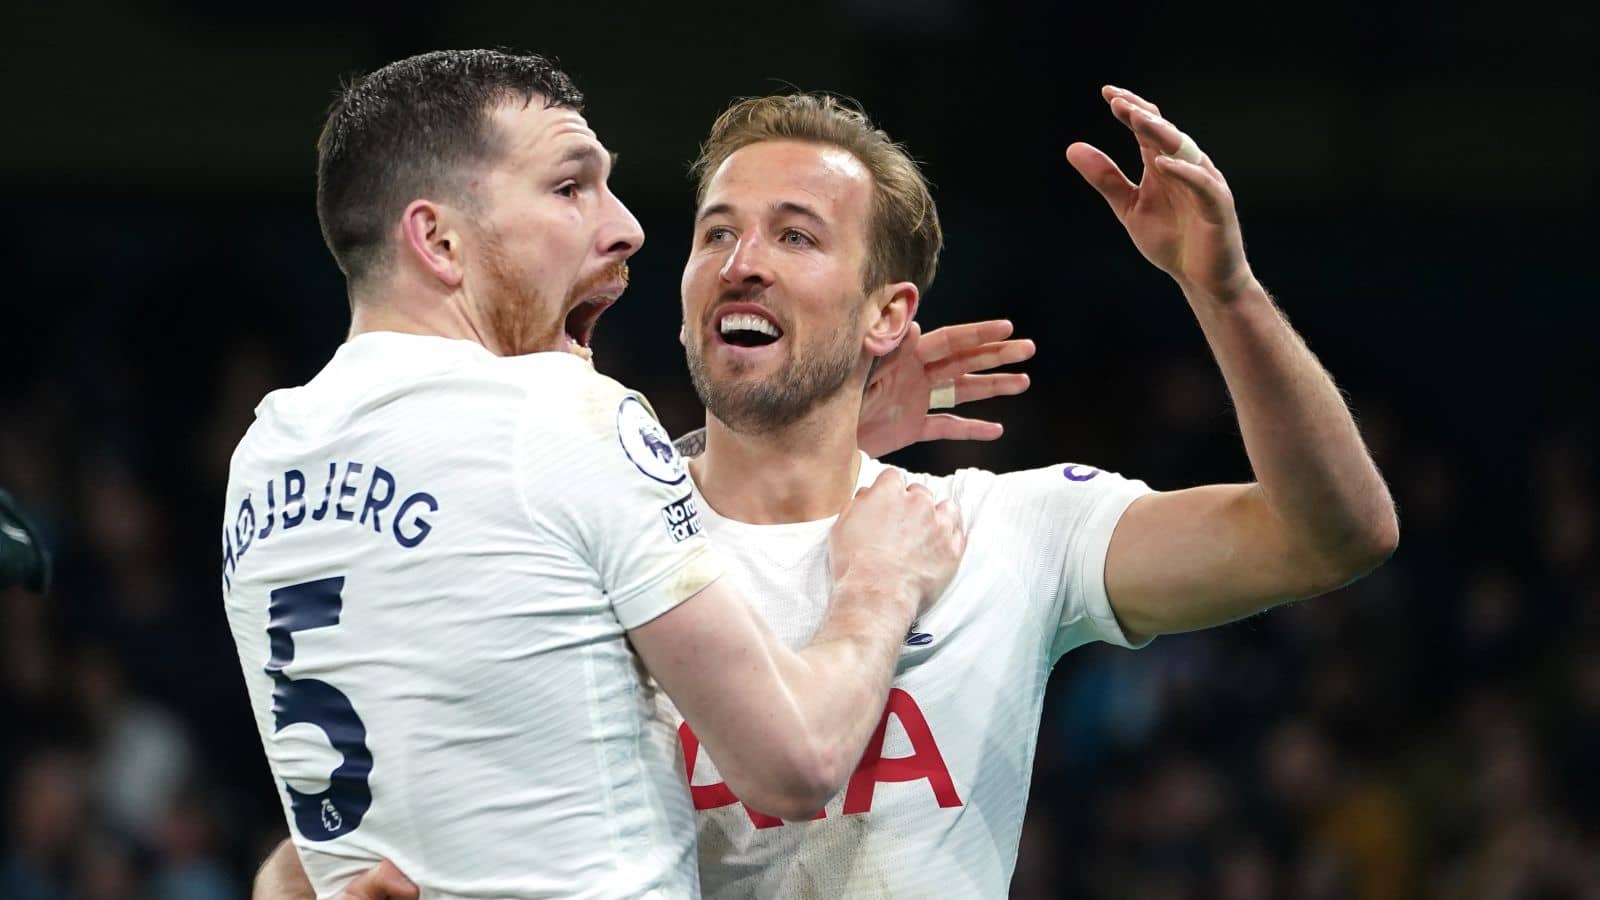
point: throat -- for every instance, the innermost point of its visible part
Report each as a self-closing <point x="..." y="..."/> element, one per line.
<point x="773" y="479"/>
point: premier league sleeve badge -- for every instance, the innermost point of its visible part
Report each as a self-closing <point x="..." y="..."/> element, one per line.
<point x="647" y="444"/>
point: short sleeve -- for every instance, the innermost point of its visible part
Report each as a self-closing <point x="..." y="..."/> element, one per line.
<point x="621" y="493"/>
<point x="1063" y="517"/>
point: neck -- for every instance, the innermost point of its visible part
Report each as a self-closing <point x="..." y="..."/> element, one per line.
<point x="798" y="473"/>
<point x="397" y="311"/>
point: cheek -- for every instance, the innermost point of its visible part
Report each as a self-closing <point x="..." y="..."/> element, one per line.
<point x="697" y="273"/>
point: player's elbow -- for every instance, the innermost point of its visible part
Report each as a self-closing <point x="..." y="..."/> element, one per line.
<point x="1373" y="543"/>
<point x="1357" y="552"/>
<point x="790" y="806"/>
<point x="1383" y="539"/>
<point x="800" y="782"/>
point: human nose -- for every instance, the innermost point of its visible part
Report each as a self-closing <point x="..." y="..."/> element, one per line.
<point x="623" y="234"/>
<point x="747" y="264"/>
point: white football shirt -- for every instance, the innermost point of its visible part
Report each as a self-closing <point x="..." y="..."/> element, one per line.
<point x="431" y="558"/>
<point x="935" y="808"/>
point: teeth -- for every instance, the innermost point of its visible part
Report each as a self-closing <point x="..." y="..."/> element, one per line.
<point x="748" y="322"/>
<point x="579" y="350"/>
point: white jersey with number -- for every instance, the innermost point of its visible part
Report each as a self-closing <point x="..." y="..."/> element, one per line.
<point x="935" y="808"/>
<point x="431" y="558"/>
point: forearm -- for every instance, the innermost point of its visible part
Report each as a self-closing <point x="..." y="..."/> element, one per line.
<point x="848" y="667"/>
<point x="834" y="691"/>
<point x="784" y="726"/>
<point x="1315" y="472"/>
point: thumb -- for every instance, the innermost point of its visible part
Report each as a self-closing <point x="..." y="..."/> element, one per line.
<point x="1102" y="175"/>
<point x="384" y="881"/>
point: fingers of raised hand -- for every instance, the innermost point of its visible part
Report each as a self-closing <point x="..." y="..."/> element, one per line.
<point x="1102" y="174"/>
<point x="977" y="359"/>
<point x="1210" y="194"/>
<point x="983" y="387"/>
<point x="947" y="427"/>
<point x="941" y="342"/>
<point x="1159" y="135"/>
<point x="1152" y="131"/>
<point x="1112" y="92"/>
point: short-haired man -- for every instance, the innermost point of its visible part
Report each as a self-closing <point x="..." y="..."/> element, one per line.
<point x="812" y="230"/>
<point x="810" y="220"/>
<point x="438" y="552"/>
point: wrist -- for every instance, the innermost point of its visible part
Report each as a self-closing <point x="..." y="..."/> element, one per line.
<point x="1242" y="289"/>
<point x="886" y="591"/>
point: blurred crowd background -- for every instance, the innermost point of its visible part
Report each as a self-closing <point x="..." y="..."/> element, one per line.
<point x="1417" y="185"/>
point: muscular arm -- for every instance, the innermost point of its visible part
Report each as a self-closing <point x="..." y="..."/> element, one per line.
<point x="787" y="727"/>
<point x="1317" y="517"/>
<point x="1318" y="514"/>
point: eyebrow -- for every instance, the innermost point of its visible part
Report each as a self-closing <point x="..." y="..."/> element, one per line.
<point x="585" y="153"/>
<point x="785" y="206"/>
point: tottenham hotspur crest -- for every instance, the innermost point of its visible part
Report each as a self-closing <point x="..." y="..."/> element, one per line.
<point x="647" y="443"/>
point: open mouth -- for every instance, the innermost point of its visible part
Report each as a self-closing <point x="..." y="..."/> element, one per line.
<point x="747" y="325"/>
<point x="581" y="321"/>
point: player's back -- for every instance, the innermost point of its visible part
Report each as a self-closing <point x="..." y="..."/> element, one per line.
<point x="409" y="575"/>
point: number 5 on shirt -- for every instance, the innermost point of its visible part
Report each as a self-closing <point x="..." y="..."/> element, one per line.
<point x="337" y="810"/>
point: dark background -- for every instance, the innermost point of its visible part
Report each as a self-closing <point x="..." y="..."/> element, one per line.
<point x="1417" y="185"/>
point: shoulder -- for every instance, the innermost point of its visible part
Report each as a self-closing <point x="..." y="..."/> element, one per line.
<point x="984" y="493"/>
<point x="943" y="487"/>
<point x="561" y="381"/>
<point x="596" y="420"/>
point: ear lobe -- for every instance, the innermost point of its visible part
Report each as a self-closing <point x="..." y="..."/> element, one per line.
<point x="683" y="333"/>
<point x="426" y="239"/>
<point x="893" y="306"/>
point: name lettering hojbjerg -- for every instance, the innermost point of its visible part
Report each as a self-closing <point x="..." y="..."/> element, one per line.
<point x="408" y="525"/>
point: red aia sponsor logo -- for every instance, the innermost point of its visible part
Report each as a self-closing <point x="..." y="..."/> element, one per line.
<point x="924" y="763"/>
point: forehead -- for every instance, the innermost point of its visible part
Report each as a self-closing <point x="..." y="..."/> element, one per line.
<point x="539" y="135"/>
<point x="823" y="177"/>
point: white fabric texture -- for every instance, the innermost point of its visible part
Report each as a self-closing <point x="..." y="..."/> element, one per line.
<point x="498" y="523"/>
<point x="937" y="811"/>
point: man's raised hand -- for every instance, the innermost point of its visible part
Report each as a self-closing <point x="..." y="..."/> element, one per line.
<point x="1180" y="214"/>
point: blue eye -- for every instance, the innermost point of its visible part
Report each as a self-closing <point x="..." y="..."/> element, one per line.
<point x="716" y="234"/>
<point x="796" y="238"/>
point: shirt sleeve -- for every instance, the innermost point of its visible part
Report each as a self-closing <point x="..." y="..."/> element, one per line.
<point x="623" y="494"/>
<point x="1064" y="516"/>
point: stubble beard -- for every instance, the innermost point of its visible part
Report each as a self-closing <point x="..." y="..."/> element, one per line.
<point x="517" y="307"/>
<point x="514" y="307"/>
<point x="751" y="405"/>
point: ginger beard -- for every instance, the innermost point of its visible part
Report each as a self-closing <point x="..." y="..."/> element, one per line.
<point x="749" y="403"/>
<point x="519" y="318"/>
